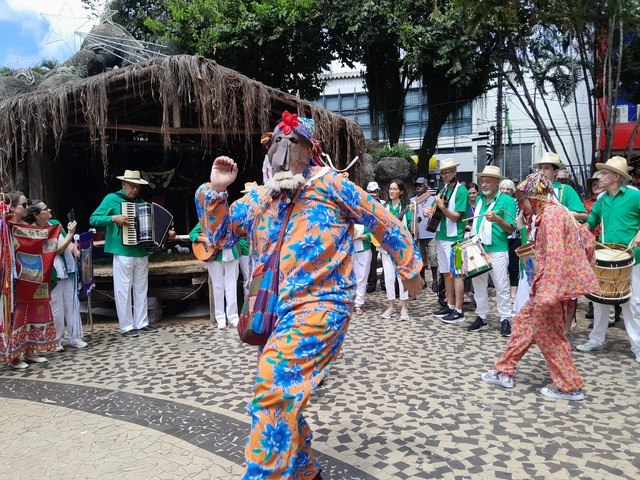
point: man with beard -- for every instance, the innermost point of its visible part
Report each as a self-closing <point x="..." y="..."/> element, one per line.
<point x="316" y="288"/>
<point x="495" y="221"/>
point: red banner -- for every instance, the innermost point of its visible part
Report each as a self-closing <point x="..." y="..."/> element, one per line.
<point x="35" y="250"/>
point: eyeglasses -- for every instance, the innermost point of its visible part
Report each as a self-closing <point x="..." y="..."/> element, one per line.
<point x="24" y="204"/>
<point x="45" y="209"/>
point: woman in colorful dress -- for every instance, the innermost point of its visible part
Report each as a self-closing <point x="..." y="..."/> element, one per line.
<point x="398" y="205"/>
<point x="31" y="326"/>
<point x="65" y="305"/>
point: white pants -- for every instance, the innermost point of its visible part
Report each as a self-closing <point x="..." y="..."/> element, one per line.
<point x="500" y="276"/>
<point x="130" y="284"/>
<point x="361" y="266"/>
<point x="630" y="315"/>
<point x="522" y="294"/>
<point x="246" y="274"/>
<point x="224" y="277"/>
<point x="66" y="306"/>
<point x="390" y="275"/>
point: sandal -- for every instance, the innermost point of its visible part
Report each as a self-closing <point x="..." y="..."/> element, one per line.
<point x="359" y="311"/>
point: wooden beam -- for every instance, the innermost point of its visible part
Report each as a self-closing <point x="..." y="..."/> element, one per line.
<point x="171" y="130"/>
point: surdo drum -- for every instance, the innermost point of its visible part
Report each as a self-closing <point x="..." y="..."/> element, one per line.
<point x="613" y="270"/>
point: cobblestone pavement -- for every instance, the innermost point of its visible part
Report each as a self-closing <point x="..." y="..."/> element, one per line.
<point x="405" y="400"/>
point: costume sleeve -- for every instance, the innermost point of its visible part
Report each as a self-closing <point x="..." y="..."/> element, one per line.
<point x="571" y="200"/>
<point x="360" y="207"/>
<point x="102" y="215"/>
<point x="547" y="288"/>
<point x="223" y="224"/>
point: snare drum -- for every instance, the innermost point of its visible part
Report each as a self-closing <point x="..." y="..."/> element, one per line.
<point x="475" y="260"/>
<point x="526" y="251"/>
<point x="613" y="270"/>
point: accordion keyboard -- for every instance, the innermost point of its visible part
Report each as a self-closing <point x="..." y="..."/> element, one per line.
<point x="129" y="233"/>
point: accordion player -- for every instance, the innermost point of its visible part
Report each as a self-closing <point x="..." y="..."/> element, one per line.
<point x="149" y="224"/>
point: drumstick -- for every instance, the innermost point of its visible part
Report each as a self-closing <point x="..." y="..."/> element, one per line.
<point x="620" y="252"/>
<point x="496" y="212"/>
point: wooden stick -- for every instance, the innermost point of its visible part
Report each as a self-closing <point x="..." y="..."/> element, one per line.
<point x="620" y="252"/>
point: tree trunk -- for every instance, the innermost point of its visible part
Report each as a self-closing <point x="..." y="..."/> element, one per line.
<point x="438" y="114"/>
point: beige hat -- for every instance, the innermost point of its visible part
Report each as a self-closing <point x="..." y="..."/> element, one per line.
<point x="133" y="176"/>
<point x="550" y="158"/>
<point x="616" y="165"/>
<point x="596" y="175"/>
<point x="491" y="171"/>
<point x="448" y="163"/>
<point x="248" y="186"/>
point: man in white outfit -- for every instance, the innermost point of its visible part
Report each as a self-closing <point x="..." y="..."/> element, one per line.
<point x="493" y="228"/>
<point x="130" y="262"/>
<point x="617" y="212"/>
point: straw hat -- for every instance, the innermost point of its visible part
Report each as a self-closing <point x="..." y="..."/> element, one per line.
<point x="133" y="176"/>
<point x="491" y="171"/>
<point x="616" y="165"/>
<point x="448" y="163"/>
<point x="550" y="158"/>
<point x="248" y="186"/>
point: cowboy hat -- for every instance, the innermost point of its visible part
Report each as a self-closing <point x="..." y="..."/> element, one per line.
<point x="132" y="176"/>
<point x="248" y="186"/>
<point x="448" y="163"/>
<point x="551" y="159"/>
<point x="491" y="171"/>
<point x="616" y="165"/>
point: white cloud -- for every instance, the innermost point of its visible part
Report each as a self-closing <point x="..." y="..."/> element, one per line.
<point x="65" y="17"/>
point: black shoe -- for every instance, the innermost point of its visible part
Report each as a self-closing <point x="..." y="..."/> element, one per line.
<point x="589" y="314"/>
<point x="443" y="312"/>
<point x="617" y="312"/>
<point x="478" y="325"/>
<point x="591" y="325"/>
<point x="454" y="317"/>
<point x="434" y="287"/>
<point x="371" y="289"/>
<point x="148" y="329"/>
<point x="130" y="333"/>
<point x="505" y="328"/>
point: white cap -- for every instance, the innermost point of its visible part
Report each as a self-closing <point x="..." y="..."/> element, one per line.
<point x="373" y="187"/>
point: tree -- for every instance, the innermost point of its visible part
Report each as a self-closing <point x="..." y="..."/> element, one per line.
<point x="281" y="43"/>
<point x="137" y="16"/>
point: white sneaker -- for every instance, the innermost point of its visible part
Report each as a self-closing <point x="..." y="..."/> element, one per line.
<point x="498" y="378"/>
<point x="404" y="314"/>
<point x="59" y="348"/>
<point x="36" y="358"/>
<point x="233" y="323"/>
<point x="638" y="357"/>
<point x="590" y="346"/>
<point x="19" y="365"/>
<point x="222" y="325"/>
<point x="77" y="343"/>
<point x="387" y="313"/>
<point x="558" y="395"/>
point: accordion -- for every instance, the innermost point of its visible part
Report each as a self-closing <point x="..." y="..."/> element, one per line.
<point x="149" y="225"/>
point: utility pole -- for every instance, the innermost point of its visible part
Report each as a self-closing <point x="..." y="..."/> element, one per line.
<point x="497" y="145"/>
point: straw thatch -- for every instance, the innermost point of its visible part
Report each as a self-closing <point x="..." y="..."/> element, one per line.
<point x="168" y="95"/>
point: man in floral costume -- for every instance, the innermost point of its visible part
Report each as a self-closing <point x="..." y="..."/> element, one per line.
<point x="563" y="272"/>
<point x="316" y="288"/>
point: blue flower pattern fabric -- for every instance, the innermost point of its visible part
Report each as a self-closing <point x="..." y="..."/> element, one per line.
<point x="316" y="294"/>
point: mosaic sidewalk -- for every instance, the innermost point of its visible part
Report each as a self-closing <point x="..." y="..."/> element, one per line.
<point x="405" y="400"/>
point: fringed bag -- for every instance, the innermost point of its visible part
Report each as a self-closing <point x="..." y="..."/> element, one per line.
<point x="258" y="318"/>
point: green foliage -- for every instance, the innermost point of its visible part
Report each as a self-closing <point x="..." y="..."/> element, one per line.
<point x="281" y="43"/>
<point x="400" y="150"/>
<point x="139" y="17"/>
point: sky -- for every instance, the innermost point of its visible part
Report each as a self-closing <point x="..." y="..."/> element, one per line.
<point x="26" y="38"/>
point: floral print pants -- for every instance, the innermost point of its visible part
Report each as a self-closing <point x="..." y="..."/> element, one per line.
<point x="290" y="367"/>
<point x="543" y="326"/>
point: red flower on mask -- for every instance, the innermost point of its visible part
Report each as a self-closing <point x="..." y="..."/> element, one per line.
<point x="288" y="123"/>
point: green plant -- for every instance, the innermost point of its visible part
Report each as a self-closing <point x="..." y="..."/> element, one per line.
<point x="400" y="150"/>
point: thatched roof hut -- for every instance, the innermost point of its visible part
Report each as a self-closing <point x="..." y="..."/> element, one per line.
<point x="64" y="144"/>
